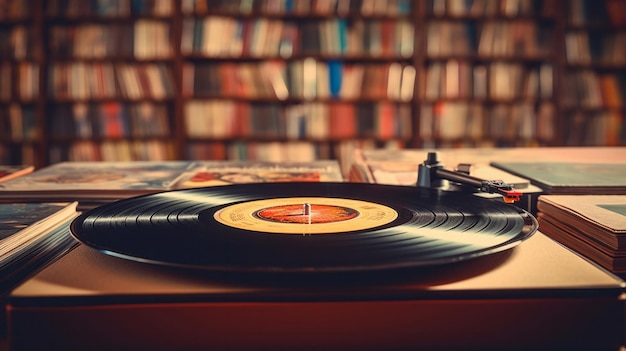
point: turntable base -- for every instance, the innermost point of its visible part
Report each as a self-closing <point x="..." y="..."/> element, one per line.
<point x="537" y="296"/>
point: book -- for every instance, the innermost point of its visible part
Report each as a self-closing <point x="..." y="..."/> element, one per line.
<point x="94" y="181"/>
<point x="592" y="225"/>
<point x="8" y="172"/>
<point x="571" y="177"/>
<point x="215" y="173"/>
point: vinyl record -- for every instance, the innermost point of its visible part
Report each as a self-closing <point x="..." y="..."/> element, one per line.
<point x="304" y="227"/>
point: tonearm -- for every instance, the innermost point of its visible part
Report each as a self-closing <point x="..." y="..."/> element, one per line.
<point x="432" y="174"/>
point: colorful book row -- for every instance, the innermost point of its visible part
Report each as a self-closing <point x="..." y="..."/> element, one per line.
<point x="301" y="151"/>
<point x="18" y="42"/>
<point x="584" y="12"/>
<point x="491" y="38"/>
<point x="474" y="121"/>
<point x="155" y="150"/>
<point x="222" y="36"/>
<point x="478" y="8"/>
<point x="13" y="154"/>
<point x="498" y="80"/>
<point x="589" y="89"/>
<point x="300" y="7"/>
<point x="18" y="123"/>
<point x="109" y="8"/>
<point x="80" y="81"/>
<point x="112" y="150"/>
<point x="291" y="151"/>
<point x="223" y="119"/>
<point x="109" y="120"/>
<point x="15" y="9"/>
<point x="301" y="79"/>
<point x="596" y="47"/>
<point x="288" y="151"/>
<point x="144" y="39"/>
<point x="595" y="128"/>
<point x="19" y="81"/>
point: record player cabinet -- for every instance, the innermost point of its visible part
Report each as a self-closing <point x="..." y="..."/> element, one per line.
<point x="536" y="296"/>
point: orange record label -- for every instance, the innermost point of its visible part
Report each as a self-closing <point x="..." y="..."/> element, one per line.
<point x="306" y="215"/>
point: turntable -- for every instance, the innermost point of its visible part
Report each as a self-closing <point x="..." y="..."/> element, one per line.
<point x="318" y="266"/>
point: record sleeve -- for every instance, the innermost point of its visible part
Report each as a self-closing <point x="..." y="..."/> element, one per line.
<point x="304" y="227"/>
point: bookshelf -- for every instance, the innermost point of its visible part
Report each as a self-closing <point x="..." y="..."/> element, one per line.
<point x="594" y="78"/>
<point x="487" y="74"/>
<point x="110" y="86"/>
<point x="294" y="80"/>
<point x="21" y="69"/>
<point x="303" y="80"/>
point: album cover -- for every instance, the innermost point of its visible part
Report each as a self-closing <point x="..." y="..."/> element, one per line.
<point x="588" y="246"/>
<point x="21" y="220"/>
<point x="69" y="181"/>
<point x="601" y="217"/>
<point x="29" y="237"/>
<point x="576" y="178"/>
<point x="214" y="173"/>
<point x="8" y="172"/>
<point x="593" y="225"/>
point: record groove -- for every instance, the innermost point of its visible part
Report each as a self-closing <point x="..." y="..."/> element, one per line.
<point x="396" y="227"/>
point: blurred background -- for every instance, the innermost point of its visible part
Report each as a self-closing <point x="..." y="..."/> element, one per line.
<point x="299" y="80"/>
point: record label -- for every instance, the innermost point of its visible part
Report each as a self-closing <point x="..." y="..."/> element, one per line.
<point x="306" y="215"/>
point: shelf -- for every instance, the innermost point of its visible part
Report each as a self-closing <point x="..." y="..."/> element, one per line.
<point x="237" y="79"/>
